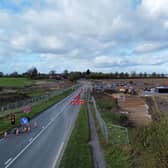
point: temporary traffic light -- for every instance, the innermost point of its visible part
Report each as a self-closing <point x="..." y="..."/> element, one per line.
<point x="13" y="119"/>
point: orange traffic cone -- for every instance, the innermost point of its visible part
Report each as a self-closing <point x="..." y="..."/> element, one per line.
<point x="17" y="131"/>
<point x="35" y="124"/>
<point x="5" y="134"/>
<point x="24" y="129"/>
<point x="28" y="129"/>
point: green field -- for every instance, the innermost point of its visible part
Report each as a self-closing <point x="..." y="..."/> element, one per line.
<point x="15" y="82"/>
<point x="78" y="152"/>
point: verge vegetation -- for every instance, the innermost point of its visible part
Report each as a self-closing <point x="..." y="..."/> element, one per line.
<point x="15" y="82"/>
<point x="78" y="151"/>
<point x="116" y="154"/>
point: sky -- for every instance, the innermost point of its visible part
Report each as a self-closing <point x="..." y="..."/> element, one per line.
<point x="100" y="35"/>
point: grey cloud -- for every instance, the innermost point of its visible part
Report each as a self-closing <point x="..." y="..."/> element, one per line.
<point x="83" y="30"/>
<point x="150" y="47"/>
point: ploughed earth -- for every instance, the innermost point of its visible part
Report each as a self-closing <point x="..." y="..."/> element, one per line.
<point x="135" y="107"/>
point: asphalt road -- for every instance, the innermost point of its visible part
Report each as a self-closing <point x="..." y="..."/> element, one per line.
<point x="42" y="147"/>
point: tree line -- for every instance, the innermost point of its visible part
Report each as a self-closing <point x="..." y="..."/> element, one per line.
<point x="33" y="73"/>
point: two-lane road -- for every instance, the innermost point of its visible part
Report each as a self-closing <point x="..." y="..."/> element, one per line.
<point x="43" y="146"/>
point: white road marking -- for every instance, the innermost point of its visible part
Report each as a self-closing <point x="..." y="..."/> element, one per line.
<point x="66" y="135"/>
<point x="30" y="143"/>
<point x="66" y="98"/>
<point x="30" y="139"/>
<point x="58" y="154"/>
<point x="10" y="161"/>
<point x="7" y="161"/>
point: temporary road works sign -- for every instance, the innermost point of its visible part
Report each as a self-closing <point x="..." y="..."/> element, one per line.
<point x="27" y="109"/>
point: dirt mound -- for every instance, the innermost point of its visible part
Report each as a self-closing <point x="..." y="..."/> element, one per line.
<point x="132" y="102"/>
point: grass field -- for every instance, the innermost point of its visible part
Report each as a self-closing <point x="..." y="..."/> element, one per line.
<point x="15" y="82"/>
<point x="78" y="151"/>
<point x="37" y="109"/>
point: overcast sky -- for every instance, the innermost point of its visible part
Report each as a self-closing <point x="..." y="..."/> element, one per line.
<point x="102" y="35"/>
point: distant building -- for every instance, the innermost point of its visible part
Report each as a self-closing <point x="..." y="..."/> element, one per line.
<point x="55" y="76"/>
<point x="161" y="89"/>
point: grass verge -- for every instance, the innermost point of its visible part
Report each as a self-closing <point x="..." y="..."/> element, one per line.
<point x="117" y="153"/>
<point x="5" y="124"/>
<point x="78" y="151"/>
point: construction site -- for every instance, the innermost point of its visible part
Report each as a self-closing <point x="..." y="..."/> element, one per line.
<point x="141" y="106"/>
<point x="142" y="100"/>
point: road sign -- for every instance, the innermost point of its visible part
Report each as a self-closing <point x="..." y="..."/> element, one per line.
<point x="24" y="121"/>
<point x="27" y="109"/>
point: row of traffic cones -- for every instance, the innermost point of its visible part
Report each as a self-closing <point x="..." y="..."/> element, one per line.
<point x="6" y="133"/>
<point x="28" y="129"/>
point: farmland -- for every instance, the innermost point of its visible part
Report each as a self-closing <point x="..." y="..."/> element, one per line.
<point x="15" y="82"/>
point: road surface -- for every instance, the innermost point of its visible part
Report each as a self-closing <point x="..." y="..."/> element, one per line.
<point x="43" y="146"/>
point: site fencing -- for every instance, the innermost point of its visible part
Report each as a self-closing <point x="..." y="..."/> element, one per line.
<point x="112" y="133"/>
<point x="102" y="123"/>
<point x="33" y="101"/>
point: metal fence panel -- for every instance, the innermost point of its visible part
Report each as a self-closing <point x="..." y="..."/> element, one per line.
<point x="110" y="130"/>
